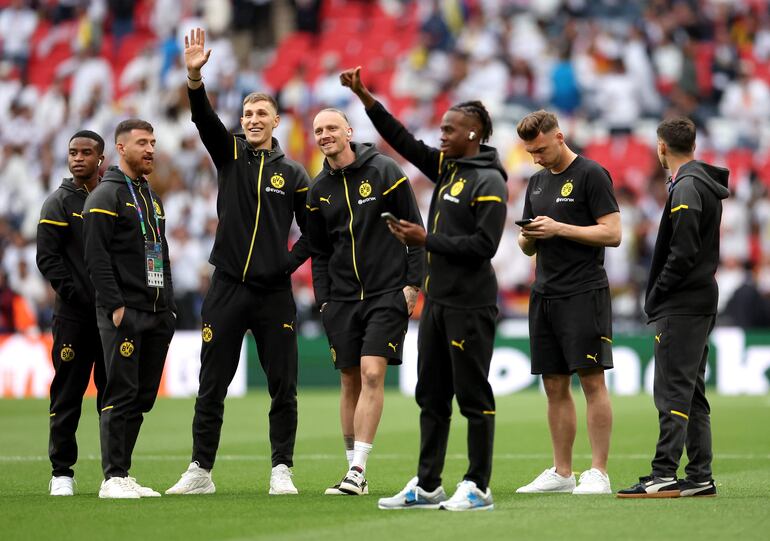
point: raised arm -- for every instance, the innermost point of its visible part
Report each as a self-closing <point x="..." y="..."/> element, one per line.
<point x="426" y="158"/>
<point x="219" y="142"/>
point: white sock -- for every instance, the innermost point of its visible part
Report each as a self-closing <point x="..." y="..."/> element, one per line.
<point x="349" y="455"/>
<point x="361" y="452"/>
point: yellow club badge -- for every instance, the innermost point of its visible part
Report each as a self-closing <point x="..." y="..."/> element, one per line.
<point x="567" y="188"/>
<point x="456" y="188"/>
<point x="126" y="348"/>
<point x="67" y="353"/>
<point x="334" y="355"/>
<point x="277" y="181"/>
<point x="365" y="189"/>
<point x="156" y="206"/>
<point x="207" y="333"/>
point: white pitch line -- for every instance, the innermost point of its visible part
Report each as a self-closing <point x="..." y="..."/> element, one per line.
<point x="384" y="456"/>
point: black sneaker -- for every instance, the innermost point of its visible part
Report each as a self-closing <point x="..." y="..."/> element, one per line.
<point x="354" y="482"/>
<point x="652" y="487"/>
<point x="691" y="488"/>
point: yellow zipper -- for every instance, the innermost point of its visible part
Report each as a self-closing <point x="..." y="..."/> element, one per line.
<point x="154" y="239"/>
<point x="435" y="219"/>
<point x="352" y="237"/>
<point x="256" y="220"/>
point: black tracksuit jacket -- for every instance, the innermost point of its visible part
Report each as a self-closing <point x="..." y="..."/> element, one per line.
<point x="60" y="252"/>
<point x="686" y="253"/>
<point x="354" y="254"/>
<point x="466" y="218"/>
<point x="260" y="191"/>
<point x="114" y="245"/>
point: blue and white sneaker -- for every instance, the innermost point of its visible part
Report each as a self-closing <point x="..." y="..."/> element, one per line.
<point x="468" y="497"/>
<point x="413" y="497"/>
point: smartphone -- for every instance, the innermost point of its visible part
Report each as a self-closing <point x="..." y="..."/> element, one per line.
<point x="522" y="223"/>
<point x="388" y="216"/>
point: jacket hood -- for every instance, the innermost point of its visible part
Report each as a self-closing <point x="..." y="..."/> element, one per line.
<point x="363" y="151"/>
<point x="714" y="177"/>
<point x="115" y="174"/>
<point x="487" y="158"/>
<point x="272" y="155"/>
<point x="69" y="185"/>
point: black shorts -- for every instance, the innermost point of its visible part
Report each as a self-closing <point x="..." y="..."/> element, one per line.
<point x="567" y="334"/>
<point x="374" y="326"/>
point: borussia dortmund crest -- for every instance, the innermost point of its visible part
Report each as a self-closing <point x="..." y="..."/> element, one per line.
<point x="126" y="348"/>
<point x="334" y="355"/>
<point x="277" y="181"/>
<point x="67" y="353"/>
<point x="207" y="333"/>
<point x="365" y="189"/>
<point x="456" y="188"/>
<point x="156" y="206"/>
<point x="566" y="189"/>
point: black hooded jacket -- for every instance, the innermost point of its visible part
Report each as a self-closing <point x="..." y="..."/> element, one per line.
<point x="354" y="254"/>
<point x="686" y="252"/>
<point x="260" y="191"/>
<point x="115" y="246"/>
<point x="60" y="252"/>
<point x="466" y="218"/>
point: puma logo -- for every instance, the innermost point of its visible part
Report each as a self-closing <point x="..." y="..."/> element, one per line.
<point x="459" y="345"/>
<point x="393" y="346"/>
<point x="327" y="199"/>
<point x="592" y="357"/>
<point x="289" y="325"/>
<point x="75" y="214"/>
<point x="657" y="337"/>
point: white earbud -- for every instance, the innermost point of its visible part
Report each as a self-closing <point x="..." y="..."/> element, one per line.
<point x="472" y="136"/>
<point x="100" y="162"/>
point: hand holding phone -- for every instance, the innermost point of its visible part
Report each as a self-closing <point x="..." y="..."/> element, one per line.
<point x="526" y="221"/>
<point x="389" y="217"/>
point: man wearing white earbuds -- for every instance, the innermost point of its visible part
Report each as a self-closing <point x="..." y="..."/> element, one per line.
<point x="76" y="344"/>
<point x="365" y="280"/>
<point x="457" y="326"/>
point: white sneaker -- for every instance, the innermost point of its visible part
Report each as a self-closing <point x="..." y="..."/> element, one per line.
<point x="61" y="486"/>
<point x="549" y="481"/>
<point x="354" y="482"/>
<point x="468" y="497"/>
<point x="280" y="481"/>
<point x="413" y="497"/>
<point x="593" y="481"/>
<point x="195" y="480"/>
<point x="144" y="492"/>
<point x="118" y="488"/>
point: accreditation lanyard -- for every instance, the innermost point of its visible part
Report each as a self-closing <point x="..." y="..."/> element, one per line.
<point x="153" y="250"/>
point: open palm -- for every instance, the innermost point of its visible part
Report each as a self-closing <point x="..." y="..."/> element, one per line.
<point x="195" y="54"/>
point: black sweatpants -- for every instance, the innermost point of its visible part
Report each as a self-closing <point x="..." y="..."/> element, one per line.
<point x="77" y="350"/>
<point x="454" y="353"/>
<point x="229" y="310"/>
<point x="134" y="356"/>
<point x="681" y="352"/>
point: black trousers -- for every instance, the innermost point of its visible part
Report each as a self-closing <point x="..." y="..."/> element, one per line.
<point x="454" y="353"/>
<point x="134" y="356"/>
<point x="229" y="310"/>
<point x="77" y="350"/>
<point x="681" y="352"/>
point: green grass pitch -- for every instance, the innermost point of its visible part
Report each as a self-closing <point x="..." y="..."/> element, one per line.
<point x="241" y="508"/>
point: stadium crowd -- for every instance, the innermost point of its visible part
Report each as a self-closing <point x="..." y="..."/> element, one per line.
<point x="610" y="69"/>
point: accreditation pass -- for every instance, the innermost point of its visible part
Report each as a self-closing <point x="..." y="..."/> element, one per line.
<point x="153" y="263"/>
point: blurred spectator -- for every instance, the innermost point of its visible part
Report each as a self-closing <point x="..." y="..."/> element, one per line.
<point x="746" y="103"/>
<point x="17" y="24"/>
